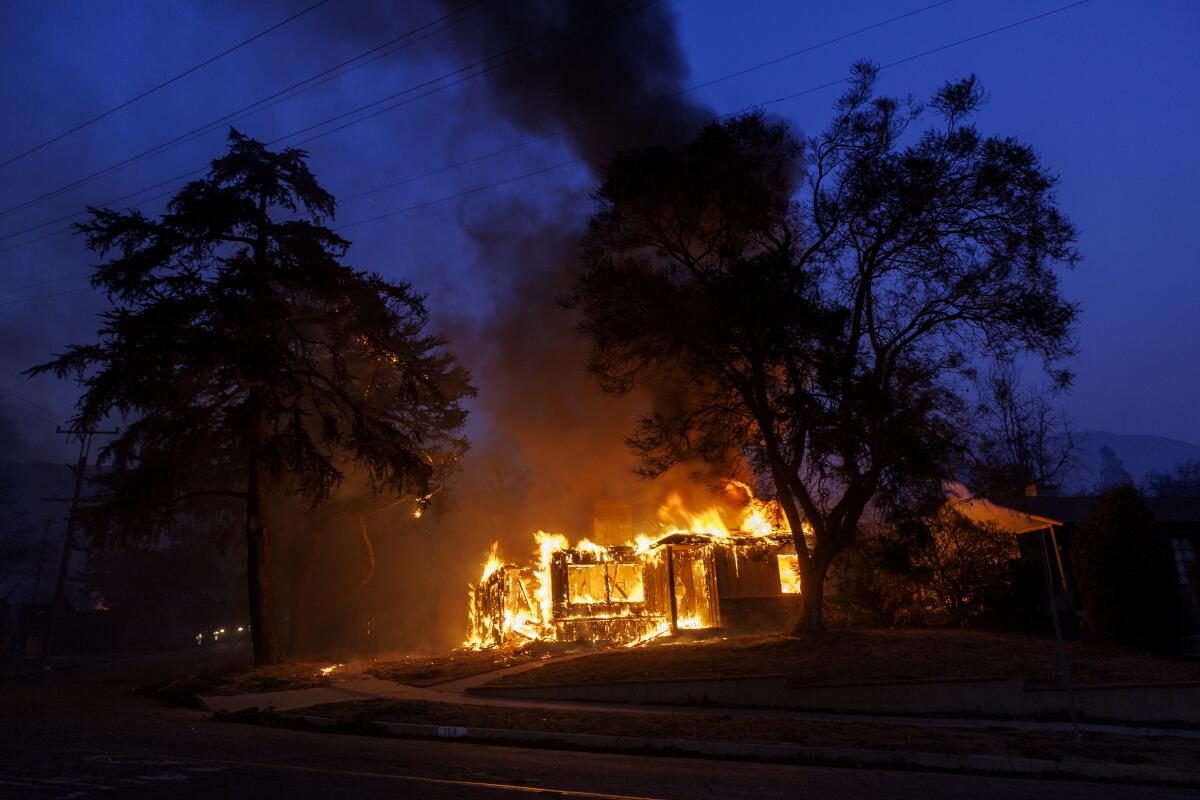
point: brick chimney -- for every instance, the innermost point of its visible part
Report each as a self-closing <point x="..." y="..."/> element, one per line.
<point x="612" y="522"/>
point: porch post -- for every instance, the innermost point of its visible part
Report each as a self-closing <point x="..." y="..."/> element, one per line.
<point x="1062" y="573"/>
<point x="671" y="581"/>
<point x="1062" y="650"/>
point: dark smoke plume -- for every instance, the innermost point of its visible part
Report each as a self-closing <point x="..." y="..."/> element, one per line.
<point x="545" y="443"/>
<point x="611" y="72"/>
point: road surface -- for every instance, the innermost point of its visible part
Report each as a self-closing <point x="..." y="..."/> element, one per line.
<point x="82" y="733"/>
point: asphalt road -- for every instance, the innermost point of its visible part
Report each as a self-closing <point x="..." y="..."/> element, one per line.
<point x="82" y="733"/>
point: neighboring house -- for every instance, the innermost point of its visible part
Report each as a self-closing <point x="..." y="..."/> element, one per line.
<point x="1040" y="539"/>
<point x="1053" y="520"/>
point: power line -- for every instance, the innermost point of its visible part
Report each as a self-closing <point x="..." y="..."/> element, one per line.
<point x="475" y="160"/>
<point x="262" y="104"/>
<point x="60" y="279"/>
<point x="940" y="48"/>
<point x="46" y="296"/>
<point x="40" y="388"/>
<point x="547" y="36"/>
<point x="104" y="204"/>
<point x="560" y="165"/>
<point x="742" y="110"/>
<point x="464" y="193"/>
<point x="686" y="90"/>
<point x="694" y="87"/>
<point x="550" y="36"/>
<point x="163" y="85"/>
<point x="787" y="56"/>
<point x="38" y="411"/>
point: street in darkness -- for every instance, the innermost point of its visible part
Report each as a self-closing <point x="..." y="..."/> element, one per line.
<point x="82" y="732"/>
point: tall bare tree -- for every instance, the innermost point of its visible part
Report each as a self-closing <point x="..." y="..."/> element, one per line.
<point x="817" y="307"/>
<point x="1182" y="481"/>
<point x="1022" y="439"/>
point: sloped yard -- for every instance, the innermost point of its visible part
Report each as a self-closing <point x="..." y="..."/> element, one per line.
<point x="414" y="670"/>
<point x="852" y="656"/>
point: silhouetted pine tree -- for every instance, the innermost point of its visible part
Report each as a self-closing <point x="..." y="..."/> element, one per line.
<point x="248" y="359"/>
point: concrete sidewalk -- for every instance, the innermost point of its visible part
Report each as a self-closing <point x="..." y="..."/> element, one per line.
<point x="1069" y="769"/>
<point x="362" y="687"/>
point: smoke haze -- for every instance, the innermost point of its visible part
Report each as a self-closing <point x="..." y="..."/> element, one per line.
<point x="546" y="444"/>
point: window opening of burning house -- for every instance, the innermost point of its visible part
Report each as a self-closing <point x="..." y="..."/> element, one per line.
<point x="605" y="582"/>
<point x="789" y="573"/>
<point x="697" y="573"/>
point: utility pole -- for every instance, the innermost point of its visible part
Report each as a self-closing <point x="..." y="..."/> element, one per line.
<point x="64" y="564"/>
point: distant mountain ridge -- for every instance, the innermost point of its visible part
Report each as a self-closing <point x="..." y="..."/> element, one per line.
<point x="1139" y="454"/>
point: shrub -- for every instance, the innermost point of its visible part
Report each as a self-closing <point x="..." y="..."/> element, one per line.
<point x="968" y="566"/>
<point x="1125" y="571"/>
<point x="875" y="583"/>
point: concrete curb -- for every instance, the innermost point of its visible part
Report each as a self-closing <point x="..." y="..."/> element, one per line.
<point x="1137" y="704"/>
<point x="1074" y="769"/>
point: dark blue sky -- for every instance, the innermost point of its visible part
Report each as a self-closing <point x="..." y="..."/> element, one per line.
<point x="1106" y="92"/>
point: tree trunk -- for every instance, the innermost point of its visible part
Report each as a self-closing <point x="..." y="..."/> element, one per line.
<point x="812" y="596"/>
<point x="368" y="551"/>
<point x="299" y="589"/>
<point x="258" y="546"/>
<point x="258" y="489"/>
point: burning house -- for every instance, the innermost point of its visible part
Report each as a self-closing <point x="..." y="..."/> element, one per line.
<point x="703" y="575"/>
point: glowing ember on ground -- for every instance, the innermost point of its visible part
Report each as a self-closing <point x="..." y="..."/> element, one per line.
<point x="327" y="670"/>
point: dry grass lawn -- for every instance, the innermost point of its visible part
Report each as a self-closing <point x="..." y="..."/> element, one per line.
<point x="182" y="690"/>
<point x="432" y="670"/>
<point x="850" y="656"/>
<point x="835" y="657"/>
<point x="415" y="670"/>
<point x="247" y="680"/>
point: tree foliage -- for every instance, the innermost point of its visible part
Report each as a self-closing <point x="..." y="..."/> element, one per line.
<point x="816" y="307"/>
<point x="1021" y="439"/>
<point x="878" y="581"/>
<point x="1125" y="571"/>
<point x="1112" y="470"/>
<point x="967" y="566"/>
<point x="1182" y="481"/>
<point x="247" y="358"/>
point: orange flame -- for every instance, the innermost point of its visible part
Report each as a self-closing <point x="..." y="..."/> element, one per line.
<point x="742" y="516"/>
<point x="492" y="564"/>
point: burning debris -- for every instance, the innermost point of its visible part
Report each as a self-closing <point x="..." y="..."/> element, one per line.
<point x="696" y="570"/>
